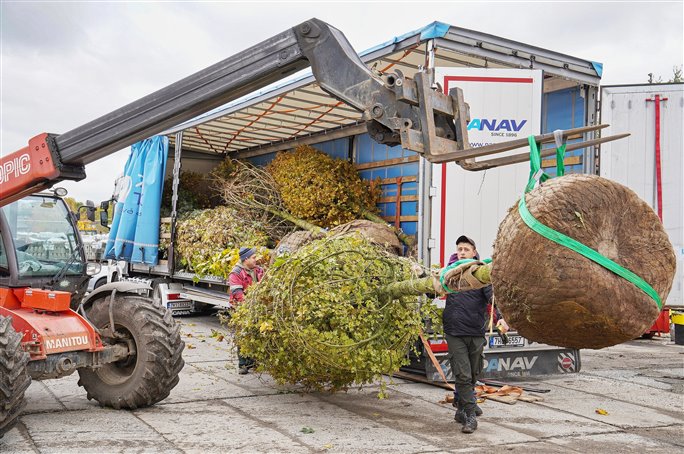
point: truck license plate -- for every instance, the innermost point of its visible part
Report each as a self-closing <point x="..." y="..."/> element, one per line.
<point x="179" y="305"/>
<point x="513" y="341"/>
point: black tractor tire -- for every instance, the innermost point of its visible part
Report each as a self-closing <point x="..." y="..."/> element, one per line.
<point x="100" y="282"/>
<point x="148" y="376"/>
<point x="14" y="378"/>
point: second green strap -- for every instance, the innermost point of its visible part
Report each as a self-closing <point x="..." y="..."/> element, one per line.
<point x="564" y="240"/>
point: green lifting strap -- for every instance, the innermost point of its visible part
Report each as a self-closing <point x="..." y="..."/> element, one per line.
<point x="537" y="174"/>
<point x="442" y="273"/>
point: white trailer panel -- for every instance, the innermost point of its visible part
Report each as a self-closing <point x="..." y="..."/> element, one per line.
<point x="632" y="161"/>
<point x="505" y="104"/>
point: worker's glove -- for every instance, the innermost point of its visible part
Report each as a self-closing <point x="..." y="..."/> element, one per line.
<point x="461" y="278"/>
<point x="502" y="326"/>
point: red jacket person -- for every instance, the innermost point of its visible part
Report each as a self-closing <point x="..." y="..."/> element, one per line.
<point x="243" y="275"/>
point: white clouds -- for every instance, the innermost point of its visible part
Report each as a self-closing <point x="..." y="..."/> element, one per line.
<point x="64" y="64"/>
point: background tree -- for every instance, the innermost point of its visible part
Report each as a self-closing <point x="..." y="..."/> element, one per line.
<point x="676" y="76"/>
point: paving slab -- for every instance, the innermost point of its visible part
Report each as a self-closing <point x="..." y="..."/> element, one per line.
<point x="39" y="399"/>
<point x="644" y="395"/>
<point x="97" y="430"/>
<point x="17" y="441"/>
<point x="629" y="376"/>
<point x="429" y="422"/>
<point x="252" y="383"/>
<point x="534" y="447"/>
<point x="531" y="419"/>
<point x="197" y="382"/>
<point x="69" y="394"/>
<point x="212" y="426"/>
<point x="332" y="426"/>
<point x="671" y="434"/>
<point x="201" y="346"/>
<point x="620" y="414"/>
<point x="618" y="442"/>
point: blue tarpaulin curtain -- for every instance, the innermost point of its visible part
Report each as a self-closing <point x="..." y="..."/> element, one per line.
<point x="134" y="235"/>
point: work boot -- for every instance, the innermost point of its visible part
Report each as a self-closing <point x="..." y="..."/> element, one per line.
<point x="243" y="370"/>
<point x="460" y="416"/>
<point x="478" y="410"/>
<point x="470" y="424"/>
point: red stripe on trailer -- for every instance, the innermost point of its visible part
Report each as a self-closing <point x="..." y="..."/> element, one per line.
<point x="659" y="181"/>
<point x="662" y="323"/>
<point x="517" y="80"/>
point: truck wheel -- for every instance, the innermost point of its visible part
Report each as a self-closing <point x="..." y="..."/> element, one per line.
<point x="156" y="290"/>
<point x="100" y="282"/>
<point x="146" y="377"/>
<point x="14" y="379"/>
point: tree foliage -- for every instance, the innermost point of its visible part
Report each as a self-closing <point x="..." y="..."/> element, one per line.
<point x="676" y="76"/>
<point x="208" y="240"/>
<point x="318" y="317"/>
<point x="194" y="193"/>
<point x="320" y="189"/>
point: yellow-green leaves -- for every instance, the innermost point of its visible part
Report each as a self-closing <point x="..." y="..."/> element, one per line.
<point x="320" y="189"/>
<point x="315" y="318"/>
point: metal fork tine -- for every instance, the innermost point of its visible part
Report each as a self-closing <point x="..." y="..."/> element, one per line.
<point x="510" y="145"/>
<point x="546" y="152"/>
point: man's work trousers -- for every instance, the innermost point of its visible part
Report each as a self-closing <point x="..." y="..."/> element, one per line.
<point x="466" y="354"/>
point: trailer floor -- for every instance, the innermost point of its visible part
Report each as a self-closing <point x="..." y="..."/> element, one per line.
<point x="639" y="384"/>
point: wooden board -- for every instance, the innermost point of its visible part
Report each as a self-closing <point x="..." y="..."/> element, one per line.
<point x="386" y="162"/>
<point x="510" y="400"/>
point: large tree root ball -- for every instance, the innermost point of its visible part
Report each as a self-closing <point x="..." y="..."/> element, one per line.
<point x="553" y="295"/>
<point x="379" y="234"/>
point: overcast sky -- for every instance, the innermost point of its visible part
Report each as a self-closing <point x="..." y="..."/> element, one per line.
<point x="66" y="63"/>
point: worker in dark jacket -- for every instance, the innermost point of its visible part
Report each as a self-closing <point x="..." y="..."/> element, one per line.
<point x="464" y="320"/>
<point x="243" y="275"/>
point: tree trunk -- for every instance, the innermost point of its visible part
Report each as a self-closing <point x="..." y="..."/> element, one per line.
<point x="301" y="223"/>
<point x="429" y="284"/>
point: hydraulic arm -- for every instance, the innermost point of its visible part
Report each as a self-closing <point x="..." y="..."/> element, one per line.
<point x="398" y="110"/>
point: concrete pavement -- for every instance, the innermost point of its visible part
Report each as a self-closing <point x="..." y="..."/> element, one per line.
<point x="213" y="409"/>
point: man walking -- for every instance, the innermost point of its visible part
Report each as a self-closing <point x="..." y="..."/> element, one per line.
<point x="243" y="275"/>
<point x="464" y="320"/>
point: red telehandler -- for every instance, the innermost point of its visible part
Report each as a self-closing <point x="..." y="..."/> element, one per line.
<point x="126" y="348"/>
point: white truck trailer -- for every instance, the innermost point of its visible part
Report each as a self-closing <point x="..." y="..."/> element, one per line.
<point x="559" y="92"/>
<point x="650" y="161"/>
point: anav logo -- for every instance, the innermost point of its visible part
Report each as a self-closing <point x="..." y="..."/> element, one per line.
<point x="501" y="364"/>
<point x="494" y="125"/>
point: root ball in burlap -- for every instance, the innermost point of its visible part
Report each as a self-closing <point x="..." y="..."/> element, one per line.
<point x="553" y="295"/>
<point x="379" y="234"/>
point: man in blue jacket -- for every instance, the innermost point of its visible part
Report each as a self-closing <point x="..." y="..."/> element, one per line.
<point x="464" y="319"/>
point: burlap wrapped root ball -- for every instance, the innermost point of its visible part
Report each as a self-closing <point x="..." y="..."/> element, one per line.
<point x="553" y="295"/>
<point x="379" y="234"/>
<point x="318" y="318"/>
